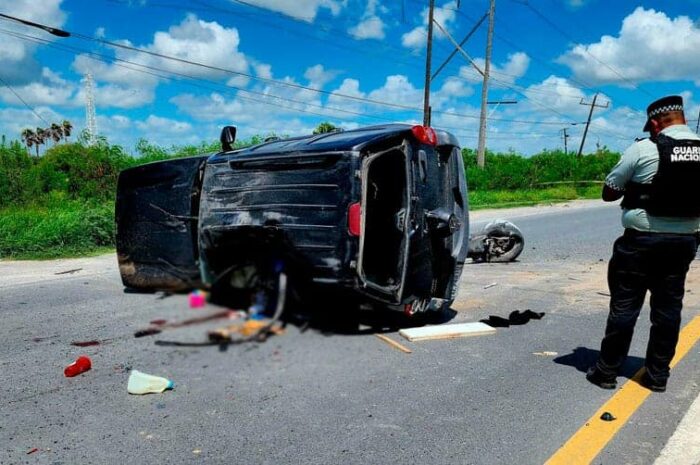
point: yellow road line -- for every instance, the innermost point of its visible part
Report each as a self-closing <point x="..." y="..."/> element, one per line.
<point x="592" y="437"/>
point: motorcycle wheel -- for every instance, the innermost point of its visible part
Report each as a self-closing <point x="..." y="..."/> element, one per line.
<point x="504" y="241"/>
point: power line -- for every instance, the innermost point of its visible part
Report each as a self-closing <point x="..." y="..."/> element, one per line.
<point x="505" y="134"/>
<point x="307" y="88"/>
<point x="283" y="83"/>
<point x="4" y="83"/>
<point x="228" y="87"/>
<point x="216" y="86"/>
<point x="568" y="36"/>
<point x="409" y="61"/>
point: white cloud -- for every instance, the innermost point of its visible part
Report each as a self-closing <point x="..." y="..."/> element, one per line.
<point x="445" y="15"/>
<point x="301" y="9"/>
<point x="199" y="41"/>
<point x="453" y="88"/>
<point x="371" y="26"/>
<point x="415" y="39"/>
<point x="263" y="70"/>
<point x="269" y="102"/>
<point x="13" y="120"/>
<point x="398" y="89"/>
<point x="193" y="39"/>
<point x="16" y="55"/>
<point x="117" y="96"/>
<point x="50" y="89"/>
<point x="368" y="28"/>
<point x="557" y="93"/>
<point x="163" y="125"/>
<point x="125" y="75"/>
<point x="122" y="130"/>
<point x="318" y="76"/>
<point x="650" y="47"/>
<point x="503" y="74"/>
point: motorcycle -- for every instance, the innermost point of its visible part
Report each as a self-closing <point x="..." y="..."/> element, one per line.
<point x="498" y="241"/>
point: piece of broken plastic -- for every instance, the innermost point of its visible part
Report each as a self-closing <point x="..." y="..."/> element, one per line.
<point x="143" y="383"/>
<point x="198" y="299"/>
<point x="81" y="365"/>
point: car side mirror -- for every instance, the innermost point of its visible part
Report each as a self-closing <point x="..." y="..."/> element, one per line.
<point x="228" y="137"/>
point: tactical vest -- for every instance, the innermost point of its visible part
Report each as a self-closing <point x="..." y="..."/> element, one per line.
<point x="675" y="189"/>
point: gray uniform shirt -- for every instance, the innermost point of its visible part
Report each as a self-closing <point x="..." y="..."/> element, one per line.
<point x="639" y="163"/>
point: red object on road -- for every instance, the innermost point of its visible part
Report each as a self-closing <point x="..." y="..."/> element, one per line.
<point x="81" y="365"/>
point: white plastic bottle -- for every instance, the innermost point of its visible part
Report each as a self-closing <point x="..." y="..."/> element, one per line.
<point x="143" y="383"/>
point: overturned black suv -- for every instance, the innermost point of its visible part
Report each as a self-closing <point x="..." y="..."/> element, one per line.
<point x="378" y="213"/>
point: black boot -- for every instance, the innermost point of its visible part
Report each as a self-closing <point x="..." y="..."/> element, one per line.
<point x="603" y="381"/>
<point x="649" y="383"/>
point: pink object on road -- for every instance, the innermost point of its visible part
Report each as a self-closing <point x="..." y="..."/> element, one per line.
<point x="198" y="299"/>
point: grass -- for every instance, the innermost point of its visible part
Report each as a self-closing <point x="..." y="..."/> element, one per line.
<point x="527" y="197"/>
<point x="57" y="230"/>
<point x="63" y="229"/>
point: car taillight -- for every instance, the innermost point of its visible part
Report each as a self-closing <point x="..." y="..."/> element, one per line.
<point x="425" y="134"/>
<point x="355" y="219"/>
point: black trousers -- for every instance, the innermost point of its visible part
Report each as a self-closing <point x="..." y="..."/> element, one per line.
<point x="646" y="261"/>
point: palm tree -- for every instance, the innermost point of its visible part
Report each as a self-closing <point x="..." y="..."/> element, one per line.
<point x="67" y="128"/>
<point x="29" y="137"/>
<point x="41" y="136"/>
<point x="55" y="132"/>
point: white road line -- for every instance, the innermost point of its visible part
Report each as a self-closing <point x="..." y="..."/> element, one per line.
<point x="684" y="446"/>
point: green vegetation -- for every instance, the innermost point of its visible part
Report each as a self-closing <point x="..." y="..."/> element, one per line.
<point x="527" y="197"/>
<point x="324" y="128"/>
<point x="62" y="203"/>
<point x="60" y="228"/>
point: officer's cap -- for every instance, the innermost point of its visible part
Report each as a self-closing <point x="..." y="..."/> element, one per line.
<point x="663" y="105"/>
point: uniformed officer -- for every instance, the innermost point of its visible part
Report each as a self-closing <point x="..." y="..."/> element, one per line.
<point x="659" y="178"/>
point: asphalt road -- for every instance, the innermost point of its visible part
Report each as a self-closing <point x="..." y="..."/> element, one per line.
<point x="328" y="395"/>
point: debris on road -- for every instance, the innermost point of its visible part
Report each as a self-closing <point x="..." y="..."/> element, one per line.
<point x="607" y="416"/>
<point x="515" y="318"/>
<point x="198" y="299"/>
<point x="603" y="294"/>
<point x="147" y="332"/>
<point x="31" y="451"/>
<point x="158" y="322"/>
<point x="69" y="271"/>
<point x="394" y="344"/>
<point x="142" y="383"/>
<point x="85" y="343"/>
<point x="546" y="353"/>
<point x="447" y="331"/>
<point x="489" y="286"/>
<point x="81" y="365"/>
<point x="248" y="328"/>
<point x="179" y="324"/>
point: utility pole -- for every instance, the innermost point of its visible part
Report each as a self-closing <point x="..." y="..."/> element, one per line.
<point x="481" y="158"/>
<point x="428" y="57"/>
<point x="566" y="137"/>
<point x="588" y="123"/>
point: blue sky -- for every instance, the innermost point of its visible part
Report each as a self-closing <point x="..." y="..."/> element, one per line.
<point x="284" y="66"/>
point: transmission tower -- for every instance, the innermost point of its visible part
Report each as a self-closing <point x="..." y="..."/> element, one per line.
<point x="90" y="119"/>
